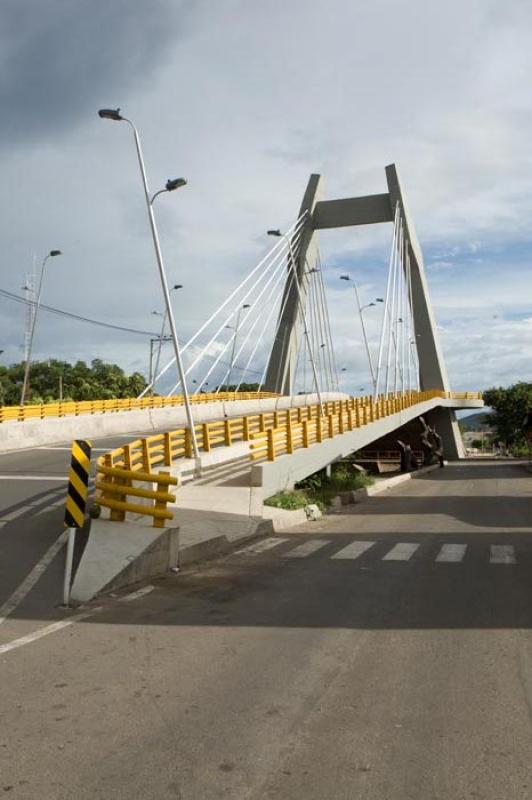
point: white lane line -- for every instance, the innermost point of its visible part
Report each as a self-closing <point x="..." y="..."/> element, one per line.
<point x="9" y="517"/>
<point x="452" y="552"/>
<point x="56" y="626"/>
<point x="307" y="548"/>
<point x="353" y="550"/>
<point x="31" y="579"/>
<point x="135" y="595"/>
<point x="502" y="554"/>
<point x="56" y="478"/>
<point x="260" y="547"/>
<point x="401" y="552"/>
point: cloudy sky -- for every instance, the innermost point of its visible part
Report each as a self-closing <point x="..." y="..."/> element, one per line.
<point x="246" y="98"/>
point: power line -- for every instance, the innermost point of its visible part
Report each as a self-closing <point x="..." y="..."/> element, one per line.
<point x="60" y="312"/>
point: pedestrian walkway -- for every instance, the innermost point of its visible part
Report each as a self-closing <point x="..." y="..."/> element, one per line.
<point x="402" y="552"/>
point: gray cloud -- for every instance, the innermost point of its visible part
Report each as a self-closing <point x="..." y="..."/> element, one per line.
<point x="64" y="56"/>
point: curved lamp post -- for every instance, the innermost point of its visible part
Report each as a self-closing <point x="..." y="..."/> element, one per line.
<point x="171" y="185"/>
<point x="27" y="366"/>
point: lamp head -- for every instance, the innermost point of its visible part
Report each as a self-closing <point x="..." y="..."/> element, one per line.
<point x="177" y="286"/>
<point x="55" y="253"/>
<point x="110" y="113"/>
<point x="175" y="183"/>
<point x="345" y="278"/>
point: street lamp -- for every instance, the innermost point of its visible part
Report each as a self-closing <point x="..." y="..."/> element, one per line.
<point x="277" y="232"/>
<point x="360" y="310"/>
<point x="114" y="114"/>
<point x="232" y="360"/>
<point x="27" y="366"/>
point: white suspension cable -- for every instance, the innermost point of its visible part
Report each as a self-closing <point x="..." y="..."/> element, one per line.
<point x="260" y="337"/>
<point x="278" y="246"/>
<point x="333" y="367"/>
<point x="278" y="270"/>
<point x="265" y="305"/>
<point x="277" y="327"/>
<point x="386" y="302"/>
<point x="274" y="269"/>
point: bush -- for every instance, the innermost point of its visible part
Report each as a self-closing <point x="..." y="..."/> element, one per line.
<point x="321" y="489"/>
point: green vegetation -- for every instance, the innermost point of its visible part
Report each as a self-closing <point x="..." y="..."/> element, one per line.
<point x="244" y="387"/>
<point x="510" y="407"/>
<point x="320" y="489"/>
<point x="99" y="381"/>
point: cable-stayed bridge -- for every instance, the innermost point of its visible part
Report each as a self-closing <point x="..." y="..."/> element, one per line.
<point x="272" y="335"/>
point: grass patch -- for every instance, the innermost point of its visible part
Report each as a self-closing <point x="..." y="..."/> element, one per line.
<point x="321" y="489"/>
<point x="289" y="500"/>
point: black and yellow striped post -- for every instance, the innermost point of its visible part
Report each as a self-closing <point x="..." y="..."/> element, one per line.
<point x="76" y="502"/>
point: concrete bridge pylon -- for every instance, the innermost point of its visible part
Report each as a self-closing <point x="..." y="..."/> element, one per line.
<point x="319" y="214"/>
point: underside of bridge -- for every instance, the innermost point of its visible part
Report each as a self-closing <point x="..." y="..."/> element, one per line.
<point x="322" y="214"/>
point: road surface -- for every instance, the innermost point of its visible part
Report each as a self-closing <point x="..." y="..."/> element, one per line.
<point x="383" y="653"/>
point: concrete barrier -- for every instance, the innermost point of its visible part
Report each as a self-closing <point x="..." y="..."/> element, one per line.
<point x="54" y="430"/>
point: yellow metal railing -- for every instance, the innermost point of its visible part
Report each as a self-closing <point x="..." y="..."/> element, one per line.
<point x="345" y="415"/>
<point x="114" y="487"/>
<point x="67" y="409"/>
<point x="270" y="434"/>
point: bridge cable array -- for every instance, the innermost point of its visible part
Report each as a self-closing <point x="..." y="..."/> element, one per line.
<point x="248" y="312"/>
<point x="398" y="363"/>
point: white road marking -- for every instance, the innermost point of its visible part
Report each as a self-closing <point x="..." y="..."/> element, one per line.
<point x="31" y="579"/>
<point x="135" y="595"/>
<point x="401" y="552"/>
<point x="452" y="552"/>
<point x="56" y="478"/>
<point x="56" y="626"/>
<point x="11" y="515"/>
<point x="260" y="547"/>
<point x="502" y="554"/>
<point x="353" y="550"/>
<point x="307" y="548"/>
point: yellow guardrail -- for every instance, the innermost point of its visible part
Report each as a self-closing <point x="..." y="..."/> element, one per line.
<point x="67" y="409"/>
<point x="271" y="434"/>
<point x="346" y="415"/>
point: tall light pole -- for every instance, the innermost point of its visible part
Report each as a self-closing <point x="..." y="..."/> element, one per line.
<point x="176" y="183"/>
<point x="232" y="361"/>
<point x="27" y="366"/>
<point x="277" y="232"/>
<point x="362" y="325"/>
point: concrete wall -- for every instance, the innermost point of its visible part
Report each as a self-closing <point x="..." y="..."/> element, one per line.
<point x="54" y="430"/>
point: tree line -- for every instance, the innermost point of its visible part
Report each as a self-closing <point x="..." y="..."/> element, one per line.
<point x="510" y="406"/>
<point x="53" y="380"/>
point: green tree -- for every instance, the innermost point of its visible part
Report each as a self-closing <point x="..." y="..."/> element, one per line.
<point x="99" y="381"/>
<point x="510" y="407"/>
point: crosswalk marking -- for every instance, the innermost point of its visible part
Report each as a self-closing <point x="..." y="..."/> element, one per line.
<point x="307" y="548"/>
<point x="452" y="552"/>
<point x="401" y="552"/>
<point x="353" y="550"/>
<point x="502" y="554"/>
<point x="260" y="547"/>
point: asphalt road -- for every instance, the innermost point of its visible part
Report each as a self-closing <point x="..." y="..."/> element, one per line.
<point x="383" y="653"/>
